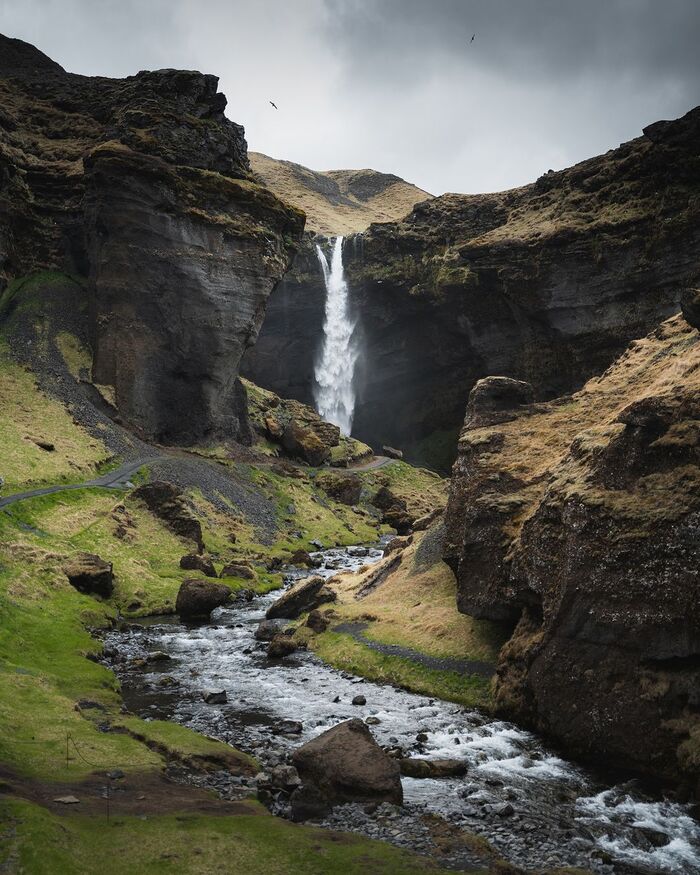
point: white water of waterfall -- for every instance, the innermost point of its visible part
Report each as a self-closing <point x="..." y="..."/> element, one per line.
<point x="333" y="391"/>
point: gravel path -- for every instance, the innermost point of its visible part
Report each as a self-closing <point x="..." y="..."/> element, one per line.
<point x="116" y="479"/>
<point x="463" y="666"/>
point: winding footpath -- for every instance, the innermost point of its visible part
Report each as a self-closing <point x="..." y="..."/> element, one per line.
<point x="119" y="477"/>
<point x="116" y="479"/>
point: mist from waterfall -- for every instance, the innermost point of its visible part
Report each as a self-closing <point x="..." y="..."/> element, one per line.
<point x="333" y="390"/>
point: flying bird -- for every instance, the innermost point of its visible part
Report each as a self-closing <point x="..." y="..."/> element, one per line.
<point x="273" y="105"/>
<point x="472" y="39"/>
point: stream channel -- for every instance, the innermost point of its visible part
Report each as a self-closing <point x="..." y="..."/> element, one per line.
<point x="538" y="809"/>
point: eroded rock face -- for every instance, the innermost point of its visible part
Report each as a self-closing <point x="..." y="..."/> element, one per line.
<point x="578" y="520"/>
<point x="90" y="574"/>
<point x="169" y="503"/>
<point x="143" y="186"/>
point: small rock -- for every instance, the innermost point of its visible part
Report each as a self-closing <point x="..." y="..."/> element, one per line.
<point x="197" y="562"/>
<point x="280" y="646"/>
<point x="158" y="656"/>
<point x="266" y="630"/>
<point x="372" y="721"/>
<point x="238" y="570"/>
<point x="317" y="622"/>
<point x="359" y="700"/>
<point x="115" y="775"/>
<point x="67" y="800"/>
<point x="215" y="697"/>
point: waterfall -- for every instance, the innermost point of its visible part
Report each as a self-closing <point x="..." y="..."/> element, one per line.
<point x="333" y="390"/>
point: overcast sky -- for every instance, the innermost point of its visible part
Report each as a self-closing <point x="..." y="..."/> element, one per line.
<point x="398" y="85"/>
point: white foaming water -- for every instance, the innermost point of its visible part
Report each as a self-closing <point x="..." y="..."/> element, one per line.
<point x="561" y="816"/>
<point x="333" y="390"/>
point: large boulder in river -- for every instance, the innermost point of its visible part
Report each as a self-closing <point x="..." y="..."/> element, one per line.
<point x="196" y="599"/>
<point x="345" y="764"/>
<point x="300" y="598"/>
<point x="91" y="575"/>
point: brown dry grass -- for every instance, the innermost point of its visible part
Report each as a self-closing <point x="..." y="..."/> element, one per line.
<point x="342" y="213"/>
<point x="416" y="607"/>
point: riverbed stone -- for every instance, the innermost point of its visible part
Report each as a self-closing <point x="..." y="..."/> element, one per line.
<point x="300" y="598"/>
<point x="345" y="764"/>
<point x="215" y="697"/>
<point x="280" y="646"/>
<point x="196" y="599"/>
<point x="266" y="631"/>
<point x="414" y="767"/>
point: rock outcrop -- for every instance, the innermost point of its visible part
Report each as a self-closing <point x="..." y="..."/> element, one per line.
<point x="142" y="186"/>
<point x="578" y="522"/>
<point x="546" y="284"/>
<point x="169" y="503"/>
<point x="90" y="574"/>
<point x="345" y="764"/>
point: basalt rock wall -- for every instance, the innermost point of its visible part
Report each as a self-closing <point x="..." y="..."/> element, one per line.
<point x="143" y="187"/>
<point x="577" y="521"/>
<point x="545" y="283"/>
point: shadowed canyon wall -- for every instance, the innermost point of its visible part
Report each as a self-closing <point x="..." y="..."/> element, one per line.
<point x="142" y="187"/>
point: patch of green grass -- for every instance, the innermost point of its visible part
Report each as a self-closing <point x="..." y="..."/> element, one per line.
<point x="43" y="844"/>
<point x="182" y="743"/>
<point x="422" y="490"/>
<point x="346" y="654"/>
<point x="28" y="415"/>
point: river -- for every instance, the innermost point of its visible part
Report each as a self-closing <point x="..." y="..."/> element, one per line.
<point x="537" y="808"/>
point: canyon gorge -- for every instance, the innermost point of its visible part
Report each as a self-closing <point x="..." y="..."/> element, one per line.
<point x="460" y="434"/>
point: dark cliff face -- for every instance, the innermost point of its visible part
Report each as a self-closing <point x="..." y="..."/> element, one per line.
<point x="143" y="186"/>
<point x="578" y="520"/>
<point x="546" y="283"/>
<point x="285" y="353"/>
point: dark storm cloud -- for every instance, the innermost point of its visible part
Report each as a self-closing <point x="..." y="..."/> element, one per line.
<point x="397" y="84"/>
<point x="537" y="39"/>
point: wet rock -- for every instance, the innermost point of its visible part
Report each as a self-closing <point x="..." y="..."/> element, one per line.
<point x="359" y="700"/>
<point x="90" y="574"/>
<point x="500" y="809"/>
<point x="280" y="646"/>
<point x="300" y="598"/>
<point x="289" y="727"/>
<point x="215" y="697"/>
<point x="358" y="552"/>
<point x="266" y="630"/>
<point x="345" y="764"/>
<point x="169" y="503"/>
<point x="302" y="557"/>
<point x="196" y="599"/>
<point x="238" y="570"/>
<point x="414" y="767"/>
<point x="158" y="656"/>
<point x="317" y="622"/>
<point x="394" y="510"/>
<point x="372" y="721"/>
<point x="197" y="562"/>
